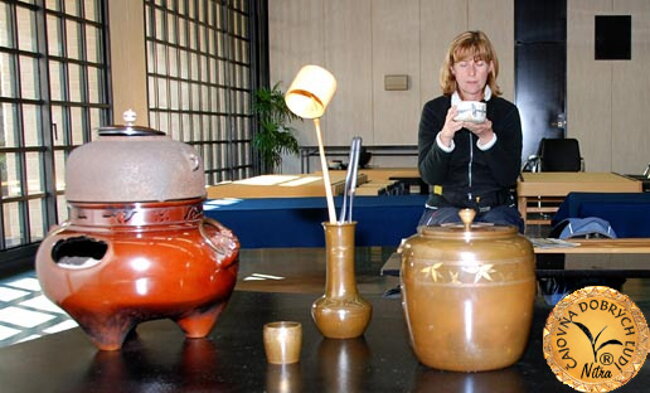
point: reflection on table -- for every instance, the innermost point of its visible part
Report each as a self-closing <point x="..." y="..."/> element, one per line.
<point x="232" y="358"/>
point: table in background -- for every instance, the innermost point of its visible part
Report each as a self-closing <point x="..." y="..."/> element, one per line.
<point x="591" y="258"/>
<point x="408" y="177"/>
<point x="279" y="186"/>
<point x="232" y="359"/>
<point x="627" y="213"/>
<point x="548" y="189"/>
<point x="375" y="181"/>
<point x="344" y="152"/>
<point x="296" y="222"/>
<point x="645" y="181"/>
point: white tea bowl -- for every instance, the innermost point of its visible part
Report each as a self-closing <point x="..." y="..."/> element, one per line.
<point x="473" y="111"/>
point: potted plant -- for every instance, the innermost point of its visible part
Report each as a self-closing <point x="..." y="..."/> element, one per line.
<point x="274" y="135"/>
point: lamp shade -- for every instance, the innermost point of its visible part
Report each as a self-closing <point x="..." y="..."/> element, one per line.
<point x="310" y="92"/>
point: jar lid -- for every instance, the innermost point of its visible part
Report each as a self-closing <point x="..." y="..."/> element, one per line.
<point x="129" y="128"/>
<point x="468" y="229"/>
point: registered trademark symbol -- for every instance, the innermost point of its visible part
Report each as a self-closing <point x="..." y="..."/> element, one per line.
<point x="606" y="359"/>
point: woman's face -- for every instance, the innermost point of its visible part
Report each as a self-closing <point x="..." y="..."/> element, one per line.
<point x="471" y="76"/>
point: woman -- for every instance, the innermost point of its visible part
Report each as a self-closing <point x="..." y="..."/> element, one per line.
<point x="470" y="165"/>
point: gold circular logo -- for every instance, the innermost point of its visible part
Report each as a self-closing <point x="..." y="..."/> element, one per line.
<point x="595" y="339"/>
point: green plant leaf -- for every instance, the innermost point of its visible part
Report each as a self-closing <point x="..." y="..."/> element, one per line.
<point x="274" y="135"/>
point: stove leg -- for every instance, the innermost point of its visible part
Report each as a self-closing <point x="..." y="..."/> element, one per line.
<point x="199" y="323"/>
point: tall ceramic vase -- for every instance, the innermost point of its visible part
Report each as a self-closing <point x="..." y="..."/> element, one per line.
<point x="341" y="312"/>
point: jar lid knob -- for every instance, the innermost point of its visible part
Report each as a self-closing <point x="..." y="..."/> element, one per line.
<point x="467" y="216"/>
<point x="129" y="117"/>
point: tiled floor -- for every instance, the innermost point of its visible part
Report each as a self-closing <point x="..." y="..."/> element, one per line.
<point x="25" y="313"/>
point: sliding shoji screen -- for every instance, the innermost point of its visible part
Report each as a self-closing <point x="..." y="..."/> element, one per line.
<point x="53" y="92"/>
<point x="199" y="68"/>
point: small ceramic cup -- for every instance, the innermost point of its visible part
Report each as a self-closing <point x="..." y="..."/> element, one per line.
<point x="473" y="111"/>
<point x="282" y="342"/>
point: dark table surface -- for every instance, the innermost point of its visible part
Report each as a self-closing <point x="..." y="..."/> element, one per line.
<point x="159" y="359"/>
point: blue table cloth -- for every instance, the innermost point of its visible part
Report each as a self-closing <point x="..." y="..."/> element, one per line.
<point x="296" y="222"/>
<point x="627" y="213"/>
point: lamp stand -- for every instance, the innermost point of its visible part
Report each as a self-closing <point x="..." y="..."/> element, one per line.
<point x="326" y="173"/>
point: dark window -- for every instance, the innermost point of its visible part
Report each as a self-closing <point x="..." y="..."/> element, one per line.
<point x="613" y="37"/>
<point x="53" y="91"/>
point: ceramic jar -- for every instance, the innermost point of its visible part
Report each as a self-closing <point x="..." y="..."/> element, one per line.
<point x="468" y="293"/>
<point x="136" y="245"/>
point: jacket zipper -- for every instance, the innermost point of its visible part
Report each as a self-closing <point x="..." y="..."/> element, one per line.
<point x="469" y="167"/>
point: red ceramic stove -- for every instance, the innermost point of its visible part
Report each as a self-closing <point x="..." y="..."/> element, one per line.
<point x="136" y="246"/>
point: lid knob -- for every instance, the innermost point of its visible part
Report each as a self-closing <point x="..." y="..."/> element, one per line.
<point x="129" y="117"/>
<point x="467" y="216"/>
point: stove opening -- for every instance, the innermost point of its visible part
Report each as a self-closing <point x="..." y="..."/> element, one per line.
<point x="78" y="252"/>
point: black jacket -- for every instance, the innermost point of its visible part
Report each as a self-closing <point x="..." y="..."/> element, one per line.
<point x="469" y="175"/>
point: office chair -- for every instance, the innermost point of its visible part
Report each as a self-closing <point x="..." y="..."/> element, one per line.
<point x="532" y="164"/>
<point x="553" y="155"/>
<point x="560" y="155"/>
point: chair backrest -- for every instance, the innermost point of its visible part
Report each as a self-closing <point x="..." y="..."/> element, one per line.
<point x="560" y="155"/>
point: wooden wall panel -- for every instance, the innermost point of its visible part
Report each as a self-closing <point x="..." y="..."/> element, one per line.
<point x="128" y="60"/>
<point x="348" y="55"/>
<point x="630" y="137"/>
<point x="496" y="19"/>
<point x="437" y="29"/>
<point x="361" y="41"/>
<point x="296" y="38"/>
<point x="589" y="85"/>
<point x="607" y="99"/>
<point x="396" y="50"/>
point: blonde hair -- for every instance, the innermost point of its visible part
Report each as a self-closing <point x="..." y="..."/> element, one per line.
<point x="470" y="44"/>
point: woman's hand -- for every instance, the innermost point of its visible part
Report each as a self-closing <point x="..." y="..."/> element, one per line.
<point x="483" y="130"/>
<point x="451" y="126"/>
